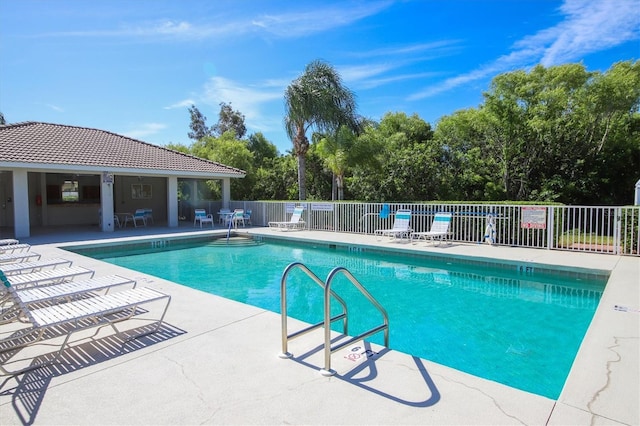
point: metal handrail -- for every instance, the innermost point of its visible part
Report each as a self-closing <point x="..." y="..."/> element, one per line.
<point x="328" y="349"/>
<point x="283" y="309"/>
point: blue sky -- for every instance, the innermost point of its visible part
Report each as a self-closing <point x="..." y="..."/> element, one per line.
<point x="134" y="67"/>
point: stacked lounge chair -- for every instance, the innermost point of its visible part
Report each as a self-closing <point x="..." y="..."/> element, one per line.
<point x="14" y="248"/>
<point x="33" y="266"/>
<point x="40" y="301"/>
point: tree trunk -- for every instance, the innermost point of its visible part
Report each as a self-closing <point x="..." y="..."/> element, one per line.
<point x="340" y="185"/>
<point x="333" y="187"/>
<point x="302" y="182"/>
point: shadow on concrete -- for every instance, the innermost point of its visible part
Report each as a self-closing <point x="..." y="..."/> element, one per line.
<point x="365" y="374"/>
<point x="28" y="389"/>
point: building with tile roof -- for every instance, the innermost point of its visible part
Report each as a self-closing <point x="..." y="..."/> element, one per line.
<point x="54" y="174"/>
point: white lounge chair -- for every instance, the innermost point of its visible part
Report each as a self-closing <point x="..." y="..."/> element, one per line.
<point x="18" y="257"/>
<point x="201" y="216"/>
<point x="401" y="226"/>
<point x="14" y="248"/>
<point x="439" y="229"/>
<point x="33" y="266"/>
<point x="52" y="276"/>
<point x="65" y="291"/>
<point x="65" y="319"/>
<point x="295" y="222"/>
<point x="8" y="241"/>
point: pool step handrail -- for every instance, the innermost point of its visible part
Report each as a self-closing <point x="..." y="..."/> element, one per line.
<point x="328" y="349"/>
<point x="328" y="319"/>
<point x="283" y="309"/>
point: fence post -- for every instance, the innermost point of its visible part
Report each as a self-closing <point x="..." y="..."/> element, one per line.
<point x="550" y="227"/>
<point x="617" y="236"/>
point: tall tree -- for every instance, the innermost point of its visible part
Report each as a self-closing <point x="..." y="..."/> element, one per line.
<point x="198" y="124"/>
<point x="317" y="99"/>
<point x="409" y="164"/>
<point x="262" y="149"/>
<point x="341" y="151"/>
<point x="229" y="119"/>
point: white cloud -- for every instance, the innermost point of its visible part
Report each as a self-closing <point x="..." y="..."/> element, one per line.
<point x="285" y="25"/>
<point x="295" y="24"/>
<point x="181" y="104"/>
<point x="369" y="76"/>
<point x="256" y="102"/>
<point x="592" y="26"/>
<point x="145" y="129"/>
<point x="436" y="47"/>
<point x="589" y="26"/>
<point x="54" y="107"/>
<point x="360" y="72"/>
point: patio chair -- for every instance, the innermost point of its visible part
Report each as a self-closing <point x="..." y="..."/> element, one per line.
<point x="64" y="319"/>
<point x="33" y="266"/>
<point x="139" y="215"/>
<point x="8" y="242"/>
<point x="238" y="216"/>
<point x="247" y="217"/>
<point x="201" y="216"/>
<point x="61" y="292"/>
<point x="148" y="214"/>
<point x="14" y="248"/>
<point x="52" y="276"/>
<point x="439" y="229"/>
<point x="18" y="257"/>
<point x="400" y="228"/>
<point x="295" y="222"/>
<point x="223" y="215"/>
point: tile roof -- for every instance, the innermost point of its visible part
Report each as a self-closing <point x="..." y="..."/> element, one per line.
<point x="57" y="144"/>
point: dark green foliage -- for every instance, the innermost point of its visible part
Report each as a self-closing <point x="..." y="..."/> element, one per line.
<point x="557" y="134"/>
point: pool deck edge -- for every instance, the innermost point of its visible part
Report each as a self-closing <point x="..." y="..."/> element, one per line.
<point x="224" y="368"/>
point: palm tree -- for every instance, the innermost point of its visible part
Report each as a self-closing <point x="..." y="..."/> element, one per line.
<point x="317" y="99"/>
<point x="337" y="154"/>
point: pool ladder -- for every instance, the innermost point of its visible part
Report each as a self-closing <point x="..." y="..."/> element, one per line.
<point x="328" y="319"/>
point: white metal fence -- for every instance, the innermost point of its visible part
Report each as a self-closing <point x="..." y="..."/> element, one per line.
<point x="597" y="229"/>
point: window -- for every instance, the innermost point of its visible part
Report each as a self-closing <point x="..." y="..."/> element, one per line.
<point x="140" y="191"/>
<point x="70" y="192"/>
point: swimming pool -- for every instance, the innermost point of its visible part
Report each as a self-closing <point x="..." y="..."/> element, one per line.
<point x="517" y="327"/>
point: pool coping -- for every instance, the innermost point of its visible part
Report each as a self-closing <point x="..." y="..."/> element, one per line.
<point x="602" y="385"/>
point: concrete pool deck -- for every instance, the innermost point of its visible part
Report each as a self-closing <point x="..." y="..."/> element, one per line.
<point x="216" y="362"/>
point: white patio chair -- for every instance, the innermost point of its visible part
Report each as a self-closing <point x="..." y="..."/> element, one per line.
<point x="401" y="226"/>
<point x="201" y="216"/>
<point x="295" y="222"/>
<point x="439" y="229"/>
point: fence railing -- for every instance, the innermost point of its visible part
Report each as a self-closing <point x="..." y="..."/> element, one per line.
<point x="597" y="229"/>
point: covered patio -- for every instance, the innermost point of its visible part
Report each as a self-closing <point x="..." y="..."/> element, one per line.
<point x="55" y="175"/>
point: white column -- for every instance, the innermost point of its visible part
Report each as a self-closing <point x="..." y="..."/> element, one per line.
<point x="106" y="202"/>
<point x="226" y="192"/>
<point x="21" y="204"/>
<point x="172" y="201"/>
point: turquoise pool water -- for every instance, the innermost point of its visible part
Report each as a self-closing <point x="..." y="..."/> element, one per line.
<point x="519" y="328"/>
